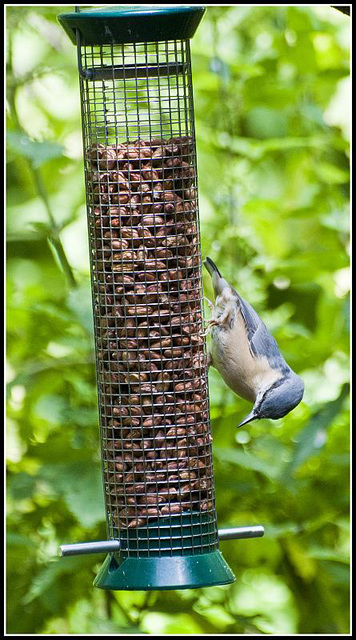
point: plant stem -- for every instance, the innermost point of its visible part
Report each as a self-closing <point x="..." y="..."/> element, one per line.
<point x="54" y="237"/>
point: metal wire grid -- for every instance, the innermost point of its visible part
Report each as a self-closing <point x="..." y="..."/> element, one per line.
<point x="151" y="99"/>
<point x="140" y="162"/>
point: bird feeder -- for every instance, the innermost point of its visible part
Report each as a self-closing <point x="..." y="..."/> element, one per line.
<point x="145" y="255"/>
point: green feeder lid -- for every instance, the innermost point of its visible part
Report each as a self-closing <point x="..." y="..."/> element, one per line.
<point x="146" y="23"/>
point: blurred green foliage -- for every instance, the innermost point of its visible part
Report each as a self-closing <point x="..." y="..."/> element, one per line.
<point x="271" y="96"/>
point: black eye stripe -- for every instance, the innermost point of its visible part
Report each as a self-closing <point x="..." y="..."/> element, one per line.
<point x="276" y="384"/>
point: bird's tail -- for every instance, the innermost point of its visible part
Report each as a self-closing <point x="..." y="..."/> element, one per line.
<point x="211" y="267"/>
<point x="219" y="282"/>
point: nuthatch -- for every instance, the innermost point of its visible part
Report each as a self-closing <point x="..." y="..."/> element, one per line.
<point x="247" y="356"/>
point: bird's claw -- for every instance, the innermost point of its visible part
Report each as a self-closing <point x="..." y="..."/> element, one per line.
<point x="213" y="323"/>
<point x="209" y="325"/>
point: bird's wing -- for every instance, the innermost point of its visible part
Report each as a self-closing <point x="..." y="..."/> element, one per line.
<point x="260" y="340"/>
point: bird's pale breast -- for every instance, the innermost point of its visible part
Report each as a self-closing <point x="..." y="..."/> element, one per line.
<point x="245" y="374"/>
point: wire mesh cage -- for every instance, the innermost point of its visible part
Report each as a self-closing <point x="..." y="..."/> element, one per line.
<point x="145" y="254"/>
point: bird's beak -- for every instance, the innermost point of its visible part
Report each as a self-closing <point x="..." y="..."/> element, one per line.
<point x="251" y="416"/>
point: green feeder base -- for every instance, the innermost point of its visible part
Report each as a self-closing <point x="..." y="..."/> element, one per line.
<point x="176" y="572"/>
<point x="167" y="554"/>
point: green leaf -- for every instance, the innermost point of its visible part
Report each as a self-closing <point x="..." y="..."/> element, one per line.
<point x="332" y="174"/>
<point x="326" y="553"/>
<point x="36" y="151"/>
<point x="80" y="303"/>
<point x="313" y="436"/>
<point x="22" y="484"/>
<point x="49" y="576"/>
<point x="246" y="461"/>
<point x="19" y="540"/>
<point x="82" y="488"/>
<point x="43" y="228"/>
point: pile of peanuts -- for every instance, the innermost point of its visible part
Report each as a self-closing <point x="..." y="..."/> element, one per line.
<point x="152" y="371"/>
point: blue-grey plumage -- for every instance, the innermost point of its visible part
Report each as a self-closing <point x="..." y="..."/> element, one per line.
<point x="247" y="356"/>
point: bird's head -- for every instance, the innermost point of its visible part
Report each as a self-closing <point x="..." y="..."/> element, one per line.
<point x="278" y="400"/>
